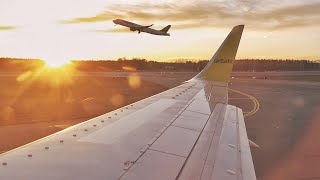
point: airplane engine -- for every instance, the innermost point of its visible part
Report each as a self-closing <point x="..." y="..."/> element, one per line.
<point x="132" y="29"/>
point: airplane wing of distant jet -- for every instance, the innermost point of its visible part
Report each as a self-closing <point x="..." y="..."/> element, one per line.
<point x="188" y="132"/>
<point x="140" y="28"/>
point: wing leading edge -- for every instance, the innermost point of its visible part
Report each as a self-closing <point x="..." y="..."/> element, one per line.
<point x="187" y="132"/>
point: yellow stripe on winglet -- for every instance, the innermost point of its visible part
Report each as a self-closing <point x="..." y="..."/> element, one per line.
<point x="219" y="68"/>
<point x="218" y="72"/>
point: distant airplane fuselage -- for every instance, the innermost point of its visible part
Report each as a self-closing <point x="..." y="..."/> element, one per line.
<point x="140" y="28"/>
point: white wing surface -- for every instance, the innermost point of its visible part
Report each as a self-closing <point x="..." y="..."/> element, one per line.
<point x="188" y="132"/>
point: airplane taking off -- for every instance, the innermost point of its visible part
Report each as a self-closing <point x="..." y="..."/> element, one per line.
<point x="140" y="28"/>
<point x="187" y="132"/>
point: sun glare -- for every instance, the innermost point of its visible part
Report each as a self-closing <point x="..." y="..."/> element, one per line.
<point x="56" y="71"/>
<point x="56" y="63"/>
<point x="57" y="75"/>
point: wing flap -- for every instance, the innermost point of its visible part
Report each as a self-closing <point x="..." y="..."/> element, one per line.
<point x="222" y="151"/>
<point x="226" y="163"/>
<point x="246" y="157"/>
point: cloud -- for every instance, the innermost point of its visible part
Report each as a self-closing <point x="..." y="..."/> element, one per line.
<point x="205" y="14"/>
<point x="288" y="17"/>
<point x="149" y="12"/>
<point x="7" y="28"/>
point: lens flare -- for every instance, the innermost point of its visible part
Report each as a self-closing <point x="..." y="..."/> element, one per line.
<point x="134" y="81"/>
<point x="117" y="100"/>
<point x="129" y="68"/>
<point x="24" y="76"/>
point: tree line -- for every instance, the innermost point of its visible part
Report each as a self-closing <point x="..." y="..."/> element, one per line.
<point x="123" y="64"/>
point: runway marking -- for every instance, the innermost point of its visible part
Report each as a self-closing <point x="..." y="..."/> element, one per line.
<point x="239" y="98"/>
<point x="256" y="103"/>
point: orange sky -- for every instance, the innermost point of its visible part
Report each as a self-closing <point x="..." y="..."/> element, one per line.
<point x="82" y="29"/>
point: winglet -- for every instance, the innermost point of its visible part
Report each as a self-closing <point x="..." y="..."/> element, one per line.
<point x="220" y="66"/>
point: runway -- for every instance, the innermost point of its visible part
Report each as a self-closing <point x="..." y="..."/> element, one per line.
<point x="285" y="127"/>
<point x="277" y="73"/>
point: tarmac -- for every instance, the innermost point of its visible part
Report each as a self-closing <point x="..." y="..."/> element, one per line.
<point x="281" y="116"/>
<point x="285" y="126"/>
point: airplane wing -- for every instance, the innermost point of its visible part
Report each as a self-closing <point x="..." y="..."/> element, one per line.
<point x="140" y="27"/>
<point x="147" y="26"/>
<point x="188" y="132"/>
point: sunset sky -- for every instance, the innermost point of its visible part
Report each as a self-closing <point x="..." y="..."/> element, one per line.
<point x="58" y="30"/>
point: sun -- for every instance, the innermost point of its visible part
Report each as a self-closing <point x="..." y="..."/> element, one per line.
<point x="57" y="72"/>
<point x="56" y="62"/>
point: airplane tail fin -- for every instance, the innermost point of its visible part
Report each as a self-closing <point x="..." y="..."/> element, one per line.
<point x="166" y="29"/>
<point x="220" y="66"/>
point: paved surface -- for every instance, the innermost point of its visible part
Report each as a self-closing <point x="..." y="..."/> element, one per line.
<point x="277" y="73"/>
<point x="281" y="116"/>
<point x="12" y="136"/>
<point x="285" y="126"/>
